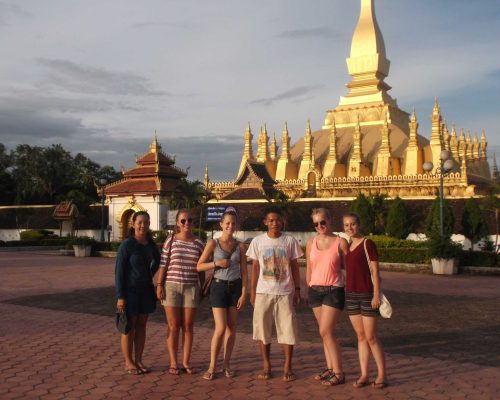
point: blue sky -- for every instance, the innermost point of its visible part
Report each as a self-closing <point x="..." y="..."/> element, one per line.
<point x="100" y="77"/>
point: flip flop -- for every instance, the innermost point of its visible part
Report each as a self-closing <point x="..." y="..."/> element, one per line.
<point x="209" y="376"/>
<point x="174" y="371"/>
<point x="228" y="372"/>
<point x="359" y="384"/>
<point x="188" y="370"/>
<point x="289" y="376"/>
<point x="334" y="379"/>
<point x="143" y="369"/>
<point x="379" y="385"/>
<point x="264" y="375"/>
<point x="325" y="374"/>
<point x="133" y="371"/>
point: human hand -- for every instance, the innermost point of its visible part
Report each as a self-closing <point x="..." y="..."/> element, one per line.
<point x="160" y="292"/>
<point x="296" y="298"/>
<point x="223" y="263"/>
<point x="120" y="305"/>
<point x="376" y="302"/>
<point x="241" y="302"/>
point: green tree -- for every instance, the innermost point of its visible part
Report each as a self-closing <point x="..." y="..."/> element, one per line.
<point x="283" y="203"/>
<point x="399" y="223"/>
<point x="473" y="224"/>
<point x="491" y="204"/>
<point x="379" y="212"/>
<point x="432" y="220"/>
<point x="363" y="208"/>
<point x="7" y="186"/>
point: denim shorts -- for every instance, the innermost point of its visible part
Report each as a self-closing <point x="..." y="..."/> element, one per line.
<point x="140" y="301"/>
<point x="225" y="294"/>
<point x="332" y="296"/>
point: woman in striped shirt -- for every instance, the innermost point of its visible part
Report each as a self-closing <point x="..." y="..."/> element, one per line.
<point x="178" y="288"/>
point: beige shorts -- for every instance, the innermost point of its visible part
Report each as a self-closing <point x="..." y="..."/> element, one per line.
<point x="271" y="308"/>
<point x="181" y="295"/>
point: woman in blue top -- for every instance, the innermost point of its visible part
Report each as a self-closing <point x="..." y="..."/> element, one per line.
<point x="226" y="256"/>
<point x="137" y="261"/>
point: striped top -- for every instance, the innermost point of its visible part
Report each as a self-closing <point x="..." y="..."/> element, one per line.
<point x="181" y="267"/>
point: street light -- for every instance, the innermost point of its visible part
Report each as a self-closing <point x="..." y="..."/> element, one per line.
<point x="446" y="165"/>
<point x="102" y="183"/>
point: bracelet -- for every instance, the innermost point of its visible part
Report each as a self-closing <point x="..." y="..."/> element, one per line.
<point x="215" y="265"/>
<point x="159" y="284"/>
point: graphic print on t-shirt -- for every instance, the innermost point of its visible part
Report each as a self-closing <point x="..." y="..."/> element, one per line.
<point x="275" y="264"/>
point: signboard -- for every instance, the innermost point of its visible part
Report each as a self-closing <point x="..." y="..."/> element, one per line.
<point x="171" y="214"/>
<point x="214" y="213"/>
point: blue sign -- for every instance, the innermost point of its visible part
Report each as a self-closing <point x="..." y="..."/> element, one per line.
<point x="214" y="213"/>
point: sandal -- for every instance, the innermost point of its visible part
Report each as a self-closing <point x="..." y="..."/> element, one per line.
<point x="359" y="384"/>
<point x="142" y="368"/>
<point x="379" y="385"/>
<point x="133" y="371"/>
<point x="209" y="376"/>
<point x="325" y="374"/>
<point x="188" y="370"/>
<point x="174" y="371"/>
<point x="264" y="375"/>
<point x="289" y="376"/>
<point x="228" y="372"/>
<point x="334" y="379"/>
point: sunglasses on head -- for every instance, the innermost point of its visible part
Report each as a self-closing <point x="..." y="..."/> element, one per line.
<point x="183" y="221"/>
<point x="322" y="223"/>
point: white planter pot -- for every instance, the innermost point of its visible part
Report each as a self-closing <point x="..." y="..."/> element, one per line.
<point x="444" y="266"/>
<point x="82" y="250"/>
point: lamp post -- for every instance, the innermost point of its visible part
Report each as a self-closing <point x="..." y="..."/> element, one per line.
<point x="445" y="167"/>
<point x="102" y="183"/>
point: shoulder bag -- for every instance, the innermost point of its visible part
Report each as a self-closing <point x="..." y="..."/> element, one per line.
<point x="207" y="284"/>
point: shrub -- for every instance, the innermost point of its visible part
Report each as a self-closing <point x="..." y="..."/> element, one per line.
<point x="399" y="223"/>
<point x="159" y="236"/>
<point x="364" y="209"/>
<point x="478" y="258"/>
<point x="443" y="247"/>
<point x="473" y="224"/>
<point x="383" y="241"/>
<point x="200" y="233"/>
<point x="37" y="234"/>
<point x="403" y="255"/>
<point x="83" y="241"/>
<point x="432" y="220"/>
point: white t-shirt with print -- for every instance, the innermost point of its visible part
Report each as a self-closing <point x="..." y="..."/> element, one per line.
<point x="274" y="256"/>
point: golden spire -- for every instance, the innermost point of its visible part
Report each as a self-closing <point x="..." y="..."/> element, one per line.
<point x="305" y="164"/>
<point x="154" y="147"/>
<point x="483" y="146"/>
<point x="247" y="149"/>
<point x="367" y="64"/>
<point x="206" y="179"/>
<point x="412" y="142"/>
<point x="454" y="143"/>
<point x="462" y="145"/>
<point x="435" y="142"/>
<point x="469" y="149"/>
<point x="273" y="148"/>
<point x="385" y="147"/>
<point x="332" y="153"/>
<point x="355" y="161"/>
<point x="446" y="136"/>
<point x="475" y="147"/>
<point x="285" y="143"/>
<point x="262" y="147"/>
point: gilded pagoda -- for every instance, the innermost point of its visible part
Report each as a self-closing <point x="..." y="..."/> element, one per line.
<point x="366" y="144"/>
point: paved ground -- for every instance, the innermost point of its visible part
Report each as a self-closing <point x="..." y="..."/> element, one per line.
<point x="57" y="340"/>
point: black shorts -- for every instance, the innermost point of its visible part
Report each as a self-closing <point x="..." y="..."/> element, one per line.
<point x="140" y="301"/>
<point x="332" y="296"/>
<point x="225" y="294"/>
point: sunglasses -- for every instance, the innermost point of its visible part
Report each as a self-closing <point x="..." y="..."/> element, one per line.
<point x="189" y="220"/>
<point x="322" y="223"/>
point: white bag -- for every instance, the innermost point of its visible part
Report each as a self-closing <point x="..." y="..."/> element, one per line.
<point x="385" y="308"/>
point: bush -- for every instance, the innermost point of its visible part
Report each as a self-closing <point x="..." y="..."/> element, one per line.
<point x="159" y="236"/>
<point x="469" y="258"/>
<point x="399" y="223"/>
<point x="403" y="255"/>
<point x="106" y="246"/>
<point x="383" y="241"/>
<point x="473" y="223"/>
<point x="42" y="242"/>
<point x="363" y="208"/>
<point x="83" y="241"/>
<point x="443" y="247"/>
<point x="432" y="220"/>
<point x="37" y="234"/>
<point x="200" y="233"/>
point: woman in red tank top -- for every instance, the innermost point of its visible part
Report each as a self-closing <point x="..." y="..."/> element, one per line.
<point x="325" y="281"/>
<point x="363" y="300"/>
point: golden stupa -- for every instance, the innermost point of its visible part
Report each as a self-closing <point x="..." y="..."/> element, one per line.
<point x="367" y="144"/>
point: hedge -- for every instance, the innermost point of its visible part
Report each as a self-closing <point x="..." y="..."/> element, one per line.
<point x="479" y="259"/>
<point x="383" y="241"/>
<point x="403" y="255"/>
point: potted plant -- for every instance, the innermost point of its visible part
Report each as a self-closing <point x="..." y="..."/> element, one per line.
<point x="82" y="246"/>
<point x="443" y="253"/>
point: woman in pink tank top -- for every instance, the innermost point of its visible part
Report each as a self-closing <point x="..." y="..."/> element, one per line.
<point x="325" y="281"/>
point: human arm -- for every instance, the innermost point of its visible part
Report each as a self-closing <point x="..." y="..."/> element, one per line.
<point x="294" y="268"/>
<point x="120" y="277"/>
<point x="343" y="250"/>
<point x="308" y="262"/>
<point x="205" y="262"/>
<point x="253" y="281"/>
<point x="371" y="250"/>
<point x="244" y="277"/>
<point x="162" y="271"/>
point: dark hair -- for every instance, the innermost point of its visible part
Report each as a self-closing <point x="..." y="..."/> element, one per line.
<point x="229" y="212"/>
<point x="131" y="231"/>
<point x="273" y="210"/>
<point x="352" y="215"/>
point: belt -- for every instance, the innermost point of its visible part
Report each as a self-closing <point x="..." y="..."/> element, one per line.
<point x="325" y="289"/>
<point x="226" y="282"/>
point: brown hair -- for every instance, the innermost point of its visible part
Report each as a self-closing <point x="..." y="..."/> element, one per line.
<point x="321" y="210"/>
<point x="228" y="212"/>
<point x="131" y="231"/>
<point x="179" y="212"/>
<point x="352" y="215"/>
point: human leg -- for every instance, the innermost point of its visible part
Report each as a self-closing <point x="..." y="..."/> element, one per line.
<point x="229" y="338"/>
<point x="370" y="328"/>
<point x="188" y="315"/>
<point x="262" y="329"/>
<point x="363" y="347"/>
<point x="140" y="340"/>
<point x="127" y="345"/>
<point x="174" y="320"/>
<point x="220" y="319"/>
<point x="265" y="351"/>
<point x="329" y="319"/>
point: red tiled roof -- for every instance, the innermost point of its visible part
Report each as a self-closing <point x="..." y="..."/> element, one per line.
<point x="131" y="186"/>
<point x="65" y="210"/>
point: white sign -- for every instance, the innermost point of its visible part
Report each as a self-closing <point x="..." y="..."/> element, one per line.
<point x="171" y="214"/>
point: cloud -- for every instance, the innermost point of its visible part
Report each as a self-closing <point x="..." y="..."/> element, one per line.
<point x="320" y="32"/>
<point x="7" y="10"/>
<point x="92" y="80"/>
<point x="289" y="94"/>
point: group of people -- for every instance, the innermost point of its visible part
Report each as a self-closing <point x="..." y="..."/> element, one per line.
<point x="274" y="289"/>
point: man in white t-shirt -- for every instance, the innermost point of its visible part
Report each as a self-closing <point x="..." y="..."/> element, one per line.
<point x="275" y="289"/>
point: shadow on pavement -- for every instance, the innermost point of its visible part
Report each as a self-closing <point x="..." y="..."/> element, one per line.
<point x="464" y="329"/>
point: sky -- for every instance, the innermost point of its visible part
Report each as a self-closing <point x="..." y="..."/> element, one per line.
<point x="101" y="77"/>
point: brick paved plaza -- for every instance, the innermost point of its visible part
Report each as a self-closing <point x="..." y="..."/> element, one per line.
<point x="58" y="340"/>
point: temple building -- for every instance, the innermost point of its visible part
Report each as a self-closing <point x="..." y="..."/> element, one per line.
<point x="144" y="187"/>
<point x="366" y="144"/>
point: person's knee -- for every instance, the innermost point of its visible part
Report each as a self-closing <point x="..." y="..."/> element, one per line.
<point x="220" y="330"/>
<point x="372" y="339"/>
<point x="187" y="328"/>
